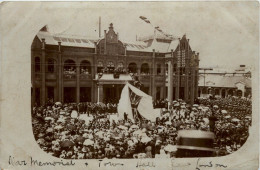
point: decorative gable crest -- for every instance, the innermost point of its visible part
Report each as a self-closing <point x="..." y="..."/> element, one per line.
<point x="111" y="36"/>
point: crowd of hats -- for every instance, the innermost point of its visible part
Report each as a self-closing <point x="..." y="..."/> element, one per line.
<point x="234" y="118"/>
<point x="73" y="132"/>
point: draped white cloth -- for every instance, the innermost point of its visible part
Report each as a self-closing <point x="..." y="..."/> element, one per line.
<point x="145" y="106"/>
<point x="124" y="105"/>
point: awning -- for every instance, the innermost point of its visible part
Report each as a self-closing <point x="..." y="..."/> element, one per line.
<point x="110" y="77"/>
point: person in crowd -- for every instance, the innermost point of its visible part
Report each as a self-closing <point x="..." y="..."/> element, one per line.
<point x="93" y="130"/>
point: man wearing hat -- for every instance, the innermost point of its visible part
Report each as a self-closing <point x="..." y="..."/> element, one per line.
<point x="212" y="120"/>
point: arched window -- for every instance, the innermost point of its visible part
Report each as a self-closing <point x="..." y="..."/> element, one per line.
<point x="110" y="67"/>
<point x="120" y="68"/>
<point x="100" y="67"/>
<point x="145" y="68"/>
<point x="69" y="67"/>
<point x="223" y="93"/>
<point x="209" y="90"/>
<point x="239" y="93"/>
<point x="132" y="67"/>
<point x="230" y="92"/>
<point x="204" y="91"/>
<point x="85" y="67"/>
<point x="120" y="65"/>
<point x="51" y="63"/>
<point x="37" y="64"/>
<point x="217" y="91"/>
<point x="110" y="64"/>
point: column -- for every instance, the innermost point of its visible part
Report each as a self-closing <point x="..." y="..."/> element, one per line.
<point x="150" y="84"/>
<point x="77" y="84"/>
<point x="93" y="73"/>
<point x="60" y="74"/>
<point x="187" y="63"/>
<point x="138" y="71"/>
<point x="243" y="92"/>
<point x="162" y="93"/>
<point x="105" y="43"/>
<point x="95" y="43"/>
<point x="153" y="76"/>
<point x="125" y="50"/>
<point x="196" y="74"/>
<point x="94" y="89"/>
<point x="226" y="90"/>
<point x="192" y="86"/>
<point x="177" y="90"/>
<point x="164" y="82"/>
<point x="117" y="91"/>
<point x="170" y="81"/>
<point x="33" y="79"/>
<point x="234" y="92"/>
<point x="100" y="93"/>
<point x="43" y="83"/>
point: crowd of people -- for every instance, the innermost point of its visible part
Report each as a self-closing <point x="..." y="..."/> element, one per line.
<point x="84" y="71"/>
<point x="119" y="70"/>
<point x="69" y="70"/>
<point x="93" y="130"/>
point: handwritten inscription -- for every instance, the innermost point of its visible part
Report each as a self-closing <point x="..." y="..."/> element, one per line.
<point x="145" y="164"/>
<point x="33" y="162"/>
<point x="208" y="165"/>
<point x="181" y="164"/>
<point x="111" y="164"/>
<point x="140" y="164"/>
<point x="14" y="162"/>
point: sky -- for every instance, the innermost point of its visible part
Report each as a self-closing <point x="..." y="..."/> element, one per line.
<point x="224" y="33"/>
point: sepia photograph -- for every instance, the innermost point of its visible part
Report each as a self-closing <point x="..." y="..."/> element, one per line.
<point x="140" y="80"/>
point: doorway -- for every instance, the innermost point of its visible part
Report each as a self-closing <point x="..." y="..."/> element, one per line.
<point x="50" y="93"/>
<point x="112" y="93"/>
<point x="69" y="94"/>
<point x="85" y="94"/>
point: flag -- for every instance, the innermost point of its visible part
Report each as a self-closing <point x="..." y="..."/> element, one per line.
<point x="143" y="102"/>
<point x="147" y="21"/>
<point x="142" y="17"/>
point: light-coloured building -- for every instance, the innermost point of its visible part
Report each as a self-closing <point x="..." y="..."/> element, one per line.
<point x="224" y="82"/>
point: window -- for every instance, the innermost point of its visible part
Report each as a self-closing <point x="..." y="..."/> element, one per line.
<point x="120" y="65"/>
<point x="69" y="67"/>
<point x="174" y="67"/>
<point x="183" y="58"/>
<point x="158" y="68"/>
<point x="85" y="67"/>
<point x="145" y="68"/>
<point x="64" y="39"/>
<point x="110" y="64"/>
<point x="84" y="40"/>
<point x="37" y="64"/>
<point x="78" y="40"/>
<point x="110" y="67"/>
<point x="51" y="63"/>
<point x="100" y="67"/>
<point x="178" y="58"/>
<point x="132" y="68"/>
<point x="71" y="40"/>
<point x="166" y="69"/>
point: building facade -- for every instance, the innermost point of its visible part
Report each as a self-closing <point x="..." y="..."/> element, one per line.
<point x="224" y="83"/>
<point x="77" y="69"/>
